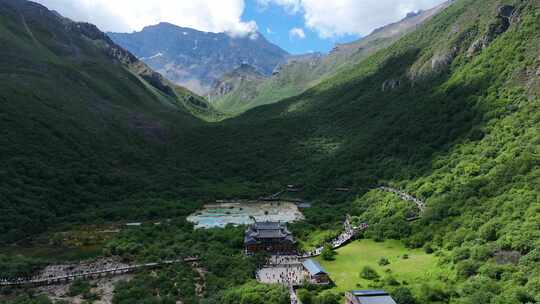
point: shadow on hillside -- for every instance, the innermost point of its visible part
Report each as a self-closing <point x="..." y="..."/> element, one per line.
<point x="365" y="135"/>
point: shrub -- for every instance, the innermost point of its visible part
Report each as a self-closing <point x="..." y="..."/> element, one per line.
<point x="305" y="296"/>
<point x="434" y="294"/>
<point x="467" y="269"/>
<point x="79" y="287"/>
<point x="328" y="253"/>
<point x="27" y="299"/>
<point x="328" y="298"/>
<point x="461" y="254"/>
<point x="403" y="295"/>
<point x="391" y="281"/>
<point x="384" y="261"/>
<point x="369" y="273"/>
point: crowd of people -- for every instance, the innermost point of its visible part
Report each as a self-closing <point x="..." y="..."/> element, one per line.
<point x="55" y="272"/>
<point x="274" y="260"/>
<point x="289" y="275"/>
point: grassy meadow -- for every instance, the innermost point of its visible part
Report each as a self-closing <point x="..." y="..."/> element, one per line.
<point x="414" y="270"/>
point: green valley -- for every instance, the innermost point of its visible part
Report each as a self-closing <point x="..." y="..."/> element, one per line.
<point x="447" y="111"/>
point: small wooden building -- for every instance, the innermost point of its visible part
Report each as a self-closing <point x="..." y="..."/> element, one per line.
<point x="271" y="237"/>
<point x="316" y="272"/>
<point x="368" y="297"/>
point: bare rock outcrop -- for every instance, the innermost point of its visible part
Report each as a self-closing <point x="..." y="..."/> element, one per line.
<point x="439" y="63"/>
<point x="223" y="88"/>
<point x="442" y="60"/>
<point x="501" y="24"/>
<point x="507" y="257"/>
<point x="391" y="85"/>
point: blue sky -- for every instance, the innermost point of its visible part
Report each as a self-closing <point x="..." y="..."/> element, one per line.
<point x="276" y="21"/>
<point x="316" y="25"/>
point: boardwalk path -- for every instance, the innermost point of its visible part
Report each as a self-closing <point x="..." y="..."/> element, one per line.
<point x="348" y="233"/>
<point x="88" y="274"/>
<point x="406" y="196"/>
<point x="288" y="270"/>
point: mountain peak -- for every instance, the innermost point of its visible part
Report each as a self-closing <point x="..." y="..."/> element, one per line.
<point x="196" y="59"/>
<point x="187" y="30"/>
<point x="168" y="26"/>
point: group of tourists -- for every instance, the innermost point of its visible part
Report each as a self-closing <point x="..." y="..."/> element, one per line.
<point x="287" y="275"/>
<point x="290" y="273"/>
<point x="274" y="260"/>
<point x="58" y="272"/>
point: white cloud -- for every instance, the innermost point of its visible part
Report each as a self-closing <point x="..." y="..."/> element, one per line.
<point x="292" y="6"/>
<point x="297" y="32"/>
<point x="327" y="18"/>
<point x="133" y="15"/>
<point x="341" y="17"/>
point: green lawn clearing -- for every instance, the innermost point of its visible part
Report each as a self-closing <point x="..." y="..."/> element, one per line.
<point x="418" y="268"/>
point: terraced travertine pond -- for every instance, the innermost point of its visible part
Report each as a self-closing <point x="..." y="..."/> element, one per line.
<point x="219" y="215"/>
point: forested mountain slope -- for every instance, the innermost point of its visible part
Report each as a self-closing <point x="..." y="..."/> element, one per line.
<point x="79" y="116"/>
<point x="301" y="72"/>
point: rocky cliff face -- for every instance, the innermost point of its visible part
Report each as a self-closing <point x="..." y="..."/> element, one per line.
<point x="197" y="59"/>
<point x="229" y="82"/>
<point x="232" y="89"/>
<point x="471" y="42"/>
<point x="498" y="26"/>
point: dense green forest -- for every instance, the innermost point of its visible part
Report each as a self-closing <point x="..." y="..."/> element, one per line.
<point x="450" y="113"/>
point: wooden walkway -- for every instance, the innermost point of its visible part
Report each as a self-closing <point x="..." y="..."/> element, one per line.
<point x="348" y="233"/>
<point x="43" y="281"/>
<point x="406" y="196"/>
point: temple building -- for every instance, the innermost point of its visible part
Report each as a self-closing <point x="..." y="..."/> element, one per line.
<point x="270" y="237"/>
<point x="317" y="274"/>
<point x="368" y="297"/>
